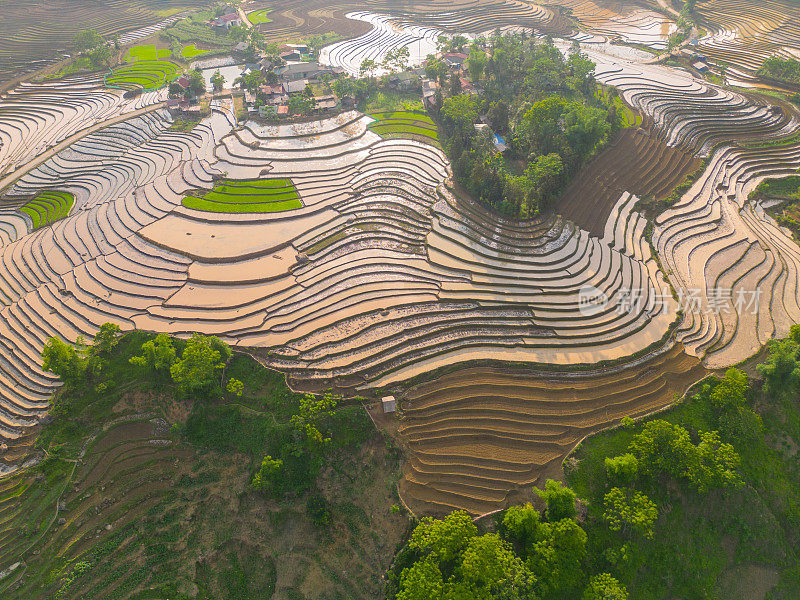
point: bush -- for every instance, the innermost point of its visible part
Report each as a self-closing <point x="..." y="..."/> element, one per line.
<point x="318" y="510"/>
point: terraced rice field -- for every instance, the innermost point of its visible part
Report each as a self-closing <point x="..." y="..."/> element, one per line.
<point x="338" y="252"/>
<point x="478" y="438"/>
<point x="34" y="33"/>
<point x="147" y="74"/>
<point x="407" y="124"/>
<point x="248" y="196"/>
<point x="257" y="17"/>
<point x="48" y="207"/>
<point x="126" y="499"/>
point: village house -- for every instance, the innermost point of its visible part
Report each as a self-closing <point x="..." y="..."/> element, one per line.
<point x="227" y="21"/>
<point x="454" y="60"/>
<point x="297" y="86"/>
<point x="429" y="87"/>
<point x="300" y="70"/>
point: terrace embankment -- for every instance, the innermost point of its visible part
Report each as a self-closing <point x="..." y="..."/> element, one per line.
<point x="479" y="438"/>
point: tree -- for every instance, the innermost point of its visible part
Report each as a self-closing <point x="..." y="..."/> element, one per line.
<point x="455" y="84"/>
<point x="521" y="524"/>
<point x="158" y="355"/>
<point x="629" y="512"/>
<point x="443" y="539"/>
<point x="421" y="581"/>
<point x="64" y="360"/>
<point x="476" y="63"/>
<point x="435" y="69"/>
<point x="622" y="469"/>
<point x="175" y="89"/>
<point x="557" y="559"/>
<point x="267" y="478"/>
<point x="318" y="510"/>
<point x="217" y="80"/>
<point x="100" y="56"/>
<point x="488" y="566"/>
<point x="662" y="447"/>
<point x="781" y="371"/>
<point x="604" y="587"/>
<point x="309" y="420"/>
<point x="300" y="104"/>
<point x="202" y="359"/>
<point x="367" y="67"/>
<point x="197" y="84"/>
<point x="458" y="115"/>
<point x="560" y="500"/>
<point x="715" y="464"/>
<point x="396" y="58"/>
<point x="106" y="339"/>
<point x="87" y="39"/>
<point x="731" y="391"/>
<point x="235" y="387"/>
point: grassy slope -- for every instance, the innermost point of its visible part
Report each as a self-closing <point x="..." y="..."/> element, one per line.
<point x="723" y="545"/>
<point x="149" y="514"/>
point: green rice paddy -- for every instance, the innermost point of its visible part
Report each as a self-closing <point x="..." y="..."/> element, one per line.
<point x="247" y="196"/>
<point x="404" y="124"/>
<point x="146" y="52"/>
<point x="48" y="207"/>
<point x="259" y="16"/>
<point x="148" y="74"/>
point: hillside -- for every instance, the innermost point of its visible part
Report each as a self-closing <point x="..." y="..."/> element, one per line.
<point x="131" y="502"/>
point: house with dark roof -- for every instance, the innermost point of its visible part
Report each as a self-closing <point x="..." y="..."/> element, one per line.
<point x="296" y="86"/>
<point x="227" y="21"/>
<point x="454" y="60"/>
<point x="300" y="70"/>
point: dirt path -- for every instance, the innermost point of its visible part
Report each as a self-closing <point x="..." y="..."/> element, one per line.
<point x="244" y="18"/>
<point x="9" y="179"/>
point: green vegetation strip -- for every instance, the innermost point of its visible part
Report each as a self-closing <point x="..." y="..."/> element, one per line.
<point x="259" y="16"/>
<point x="48" y="207"/>
<point x="247" y="196"/>
<point x="148" y="74"/>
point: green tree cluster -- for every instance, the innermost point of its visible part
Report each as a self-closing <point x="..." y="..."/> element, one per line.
<point x="78" y="363"/>
<point x="547" y="107"/>
<point x="527" y="558"/>
<point x="783" y="69"/>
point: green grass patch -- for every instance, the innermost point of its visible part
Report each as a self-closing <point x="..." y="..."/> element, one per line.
<point x="190" y="51"/>
<point x="183" y="125"/>
<point x="387" y="101"/>
<point x="247" y="196"/>
<point x="147" y="74"/>
<point x="48" y="207"/>
<point x="259" y="16"/>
